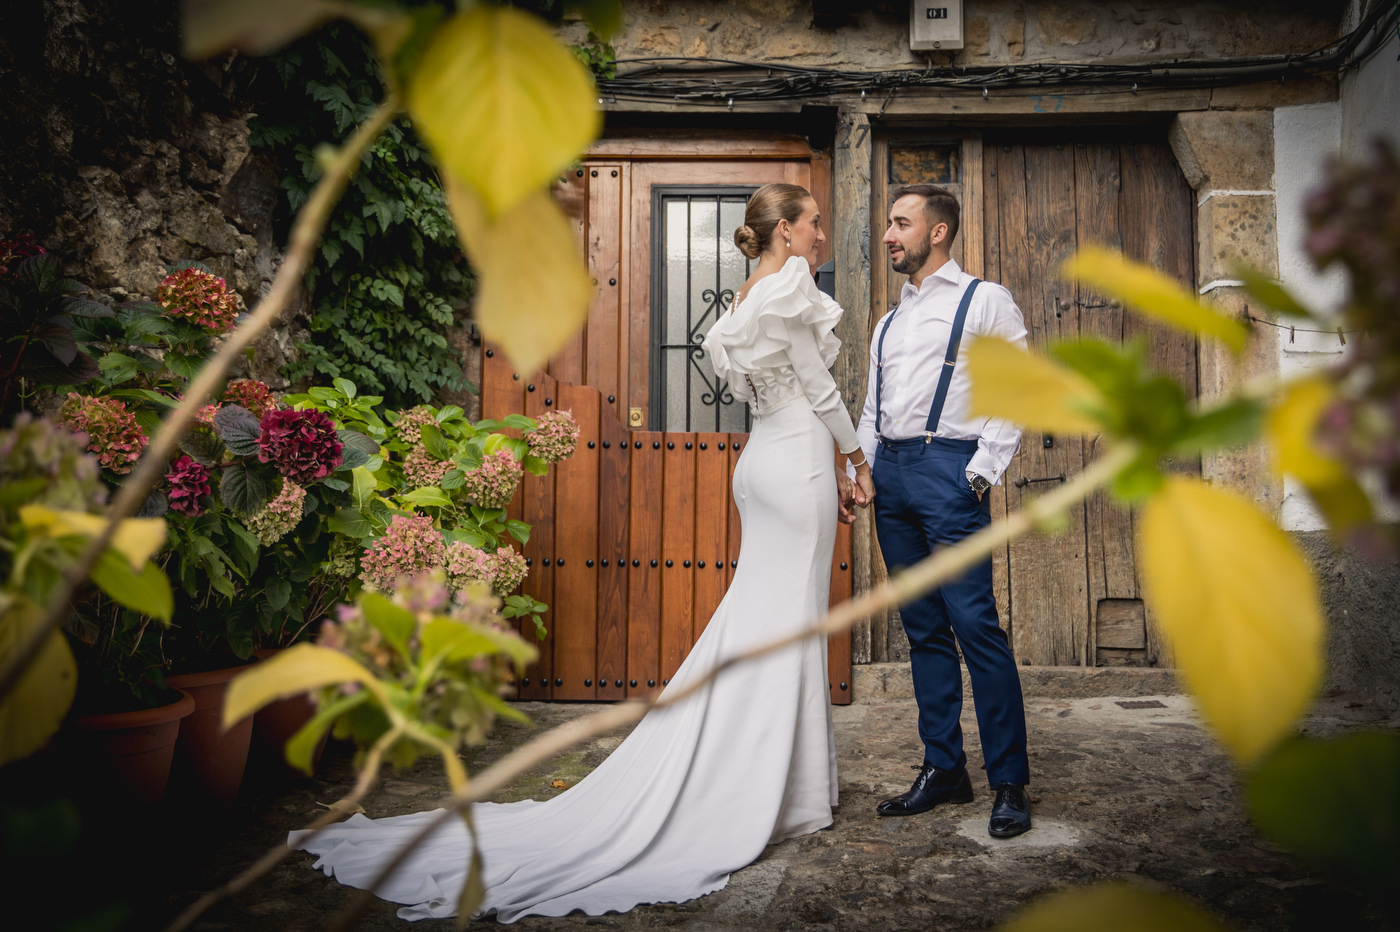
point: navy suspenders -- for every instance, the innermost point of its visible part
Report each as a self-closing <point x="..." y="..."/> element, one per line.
<point x="945" y="378"/>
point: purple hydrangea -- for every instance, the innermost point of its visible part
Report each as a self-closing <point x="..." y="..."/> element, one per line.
<point x="189" y="487"/>
<point x="302" y="445"/>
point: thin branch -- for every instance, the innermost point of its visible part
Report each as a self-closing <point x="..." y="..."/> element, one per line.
<point x="275" y="856"/>
<point x="904" y="587"/>
<point x="302" y="247"/>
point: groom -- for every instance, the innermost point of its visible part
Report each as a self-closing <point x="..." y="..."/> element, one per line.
<point x="933" y="464"/>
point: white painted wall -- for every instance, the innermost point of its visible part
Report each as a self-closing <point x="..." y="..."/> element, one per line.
<point x="1305" y="139"/>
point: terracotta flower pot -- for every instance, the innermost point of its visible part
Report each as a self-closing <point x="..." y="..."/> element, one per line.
<point x="208" y="760"/>
<point x="132" y="751"/>
<point x="275" y="724"/>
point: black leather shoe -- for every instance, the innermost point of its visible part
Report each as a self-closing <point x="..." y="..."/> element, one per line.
<point x="931" y="787"/>
<point x="1011" y="812"/>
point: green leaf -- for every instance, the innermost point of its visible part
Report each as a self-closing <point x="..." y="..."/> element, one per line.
<point x="353" y="439"/>
<point x="433" y="442"/>
<point x="519" y="530"/>
<point x="1273" y="294"/>
<point x="452" y="479"/>
<point x="116" y="368"/>
<point x="364" y="486"/>
<point x="279" y="593"/>
<point x="1351" y="829"/>
<point x="238" y="428"/>
<point x="1230" y="425"/>
<point x="351" y="523"/>
<point x="186" y="367"/>
<point x="203" y="446"/>
<point x="243" y="490"/>
<point x="16" y="492"/>
<point x="301" y="748"/>
<point x="454" y="640"/>
<point x="338" y="485"/>
<point x="1033" y="391"/>
<point x="145" y="394"/>
<point x="396" y="623"/>
<point x="298" y="669"/>
<point x="1238" y="603"/>
<point x="430" y="496"/>
<point x="534" y="465"/>
<point x="495" y="73"/>
<point x="518" y="421"/>
<point x="604" y="16"/>
<point x="147" y="592"/>
<point x="448" y="413"/>
<point x="347" y="387"/>
<point x="31" y="713"/>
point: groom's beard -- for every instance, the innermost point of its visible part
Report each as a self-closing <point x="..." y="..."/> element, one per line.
<point x="914" y="259"/>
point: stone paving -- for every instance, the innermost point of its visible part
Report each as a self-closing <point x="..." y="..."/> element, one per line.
<point x="1140" y="794"/>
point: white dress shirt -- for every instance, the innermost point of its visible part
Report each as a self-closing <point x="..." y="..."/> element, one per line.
<point x="915" y="347"/>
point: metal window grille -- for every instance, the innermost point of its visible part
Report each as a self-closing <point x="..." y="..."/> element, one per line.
<point x="696" y="269"/>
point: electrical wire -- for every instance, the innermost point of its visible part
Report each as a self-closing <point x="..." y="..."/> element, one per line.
<point x="720" y="80"/>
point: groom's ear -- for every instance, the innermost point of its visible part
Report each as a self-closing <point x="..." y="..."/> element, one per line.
<point x="938" y="235"/>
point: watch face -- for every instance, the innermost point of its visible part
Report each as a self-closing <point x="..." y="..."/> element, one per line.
<point x="980" y="484"/>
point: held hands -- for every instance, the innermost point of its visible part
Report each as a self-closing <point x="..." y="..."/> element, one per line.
<point x="845" y="499"/>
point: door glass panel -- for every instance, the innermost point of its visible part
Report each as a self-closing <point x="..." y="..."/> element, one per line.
<point x="698" y="271"/>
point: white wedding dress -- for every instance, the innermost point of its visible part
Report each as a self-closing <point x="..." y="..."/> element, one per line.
<point x="698" y="789"/>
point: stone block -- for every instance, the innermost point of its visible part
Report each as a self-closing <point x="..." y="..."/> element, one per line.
<point x="977" y="35"/>
<point x="875" y="683"/>
<point x="1225" y="149"/>
<point x="1234" y="229"/>
<point x="1013" y="33"/>
<point x="1063" y="24"/>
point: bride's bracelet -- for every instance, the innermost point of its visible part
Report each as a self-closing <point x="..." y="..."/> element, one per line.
<point x="863" y="461"/>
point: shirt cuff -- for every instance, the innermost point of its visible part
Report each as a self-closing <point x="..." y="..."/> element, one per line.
<point x="983" y="465"/>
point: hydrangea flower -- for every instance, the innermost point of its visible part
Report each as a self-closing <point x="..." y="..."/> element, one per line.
<point x="343" y="558"/>
<point x="508" y="570"/>
<point x="205" y="415"/>
<point x="280" y="516"/>
<point x="112" y="432"/>
<point x="492" y="484"/>
<point x="467" y="564"/>
<point x="302" y="444"/>
<point x="421" y="469"/>
<point x="41" y="448"/>
<point x="199" y="297"/>
<point x="409" y="547"/>
<point x="189" y="487"/>
<point x="14" y="251"/>
<point x="409" y="421"/>
<point x="555" y="437"/>
<point x="251" y="394"/>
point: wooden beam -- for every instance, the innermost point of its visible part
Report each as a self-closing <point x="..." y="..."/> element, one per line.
<point x="706" y="147"/>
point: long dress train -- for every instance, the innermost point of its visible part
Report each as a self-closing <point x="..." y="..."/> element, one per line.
<point x="697" y="790"/>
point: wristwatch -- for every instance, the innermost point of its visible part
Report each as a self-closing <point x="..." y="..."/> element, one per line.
<point x="979" y="483"/>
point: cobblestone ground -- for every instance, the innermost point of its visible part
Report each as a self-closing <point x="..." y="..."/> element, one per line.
<point x="1138" y="794"/>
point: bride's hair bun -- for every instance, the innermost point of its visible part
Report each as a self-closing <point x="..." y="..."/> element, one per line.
<point x="747" y="241"/>
<point x="768" y="205"/>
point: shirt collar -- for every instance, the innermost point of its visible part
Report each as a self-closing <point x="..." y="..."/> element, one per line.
<point x="948" y="272"/>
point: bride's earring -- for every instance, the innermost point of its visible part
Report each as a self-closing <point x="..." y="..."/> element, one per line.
<point x="789" y="244"/>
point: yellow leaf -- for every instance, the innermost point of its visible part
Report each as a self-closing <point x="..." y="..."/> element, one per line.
<point x="533" y="290"/>
<point x="1113" y="907"/>
<point x="137" y="539"/>
<point x="558" y="784"/>
<point x="1029" y="390"/>
<point x="32" y="712"/>
<point x="298" y="669"/>
<point x="1238" y="602"/>
<point x="1292" y="428"/>
<point x="504" y="107"/>
<point x="1150" y="292"/>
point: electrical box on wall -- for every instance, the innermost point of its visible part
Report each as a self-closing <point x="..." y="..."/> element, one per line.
<point x="935" y="25"/>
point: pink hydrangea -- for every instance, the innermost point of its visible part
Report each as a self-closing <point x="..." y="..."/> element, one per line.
<point x="467" y="565"/>
<point x="113" y="434"/>
<point x="280" y="516"/>
<point x="492" y="484"/>
<point x="409" y="547"/>
<point x="508" y="570"/>
<point x="205" y="415"/>
<point x="555" y="436"/>
<point x="189" y="487"/>
<point x="14" y="251"/>
<point x="421" y="469"/>
<point x="250" y="394"/>
<point x="303" y="445"/>
<point x="409" y="421"/>
<point x="199" y="297"/>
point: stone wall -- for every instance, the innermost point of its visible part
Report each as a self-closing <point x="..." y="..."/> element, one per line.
<point x="875" y="35"/>
<point x="121" y="157"/>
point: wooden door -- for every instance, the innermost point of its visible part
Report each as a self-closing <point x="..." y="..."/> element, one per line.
<point x="636" y="537"/>
<point x="1030" y="201"/>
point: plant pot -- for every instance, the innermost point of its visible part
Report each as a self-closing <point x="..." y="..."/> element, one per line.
<point x="209" y="761"/>
<point x="132" y="751"/>
<point x="275" y="724"/>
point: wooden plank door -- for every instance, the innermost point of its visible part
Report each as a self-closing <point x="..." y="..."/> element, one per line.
<point x="1074" y="598"/>
<point x="636" y="537"/>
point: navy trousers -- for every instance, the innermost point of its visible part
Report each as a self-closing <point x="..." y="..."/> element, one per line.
<point x="923" y="503"/>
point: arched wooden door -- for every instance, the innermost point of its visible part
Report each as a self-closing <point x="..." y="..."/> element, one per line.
<point x="635" y="537"/>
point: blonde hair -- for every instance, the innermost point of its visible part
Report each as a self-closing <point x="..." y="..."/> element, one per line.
<point x="768" y="205"/>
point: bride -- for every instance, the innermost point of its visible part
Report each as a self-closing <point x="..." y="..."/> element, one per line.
<point x="699" y="788"/>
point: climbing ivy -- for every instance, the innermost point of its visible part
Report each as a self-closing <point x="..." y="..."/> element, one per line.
<point x="389" y="278"/>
